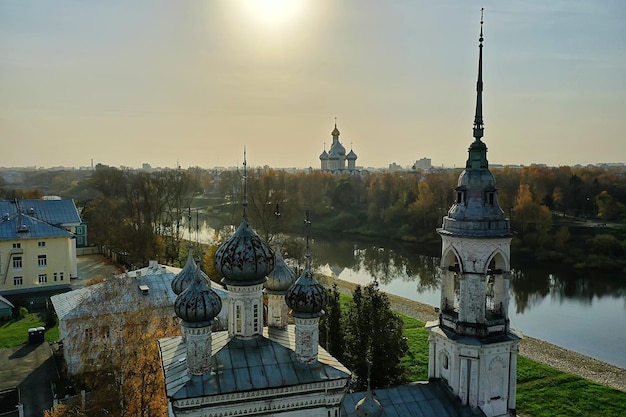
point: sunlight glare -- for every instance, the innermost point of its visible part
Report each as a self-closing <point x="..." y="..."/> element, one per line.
<point x="274" y="13"/>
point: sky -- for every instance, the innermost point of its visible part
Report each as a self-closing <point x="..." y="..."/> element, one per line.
<point x="191" y="83"/>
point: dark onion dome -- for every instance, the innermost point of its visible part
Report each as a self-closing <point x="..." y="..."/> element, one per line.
<point x="244" y="259"/>
<point x="306" y="298"/>
<point x="351" y="155"/>
<point x="335" y="131"/>
<point x="185" y="277"/>
<point x="324" y="155"/>
<point x="198" y="305"/>
<point x="281" y="278"/>
<point x="368" y="406"/>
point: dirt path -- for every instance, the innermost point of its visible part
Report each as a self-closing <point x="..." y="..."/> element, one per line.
<point x="535" y="349"/>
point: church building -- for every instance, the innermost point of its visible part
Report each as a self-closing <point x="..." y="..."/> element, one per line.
<point x="251" y="370"/>
<point x="336" y="160"/>
<point x="472" y="347"/>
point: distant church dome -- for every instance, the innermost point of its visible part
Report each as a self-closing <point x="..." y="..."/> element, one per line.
<point x="335" y="131"/>
<point x="244" y="259"/>
<point x="351" y="155"/>
<point x="281" y="278"/>
<point x="324" y="155"/>
<point x="198" y="304"/>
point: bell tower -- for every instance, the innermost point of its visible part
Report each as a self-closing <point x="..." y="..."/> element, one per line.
<point x="471" y="346"/>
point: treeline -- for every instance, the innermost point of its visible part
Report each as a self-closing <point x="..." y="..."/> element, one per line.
<point x="144" y="214"/>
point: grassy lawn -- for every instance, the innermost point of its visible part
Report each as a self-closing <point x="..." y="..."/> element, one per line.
<point x="15" y="332"/>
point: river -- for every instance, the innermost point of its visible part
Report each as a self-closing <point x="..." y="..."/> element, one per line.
<point x="584" y="312"/>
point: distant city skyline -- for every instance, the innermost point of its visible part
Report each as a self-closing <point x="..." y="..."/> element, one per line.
<point x="161" y="82"/>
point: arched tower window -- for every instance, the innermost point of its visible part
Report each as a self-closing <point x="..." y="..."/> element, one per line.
<point x="460" y="195"/>
<point x="495" y="291"/>
<point x="490" y="197"/>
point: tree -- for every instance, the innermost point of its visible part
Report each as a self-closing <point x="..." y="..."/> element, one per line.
<point x="117" y="345"/>
<point x="372" y="328"/>
<point x="331" y="331"/>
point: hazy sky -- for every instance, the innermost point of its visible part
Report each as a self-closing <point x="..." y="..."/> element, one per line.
<point x="156" y="81"/>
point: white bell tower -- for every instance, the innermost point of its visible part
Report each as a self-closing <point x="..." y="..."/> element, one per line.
<point x="471" y="346"/>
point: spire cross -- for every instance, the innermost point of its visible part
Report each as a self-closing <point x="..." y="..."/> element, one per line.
<point x="478" y="118"/>
<point x="277" y="215"/>
<point x="245" y="185"/>
<point x="307" y="226"/>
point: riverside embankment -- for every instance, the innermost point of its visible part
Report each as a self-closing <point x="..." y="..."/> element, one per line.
<point x="543" y="352"/>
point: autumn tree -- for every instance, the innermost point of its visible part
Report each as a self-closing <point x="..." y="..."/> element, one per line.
<point x="530" y="216"/>
<point x="116" y="344"/>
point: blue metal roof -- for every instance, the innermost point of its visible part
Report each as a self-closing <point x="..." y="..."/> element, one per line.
<point x="424" y="399"/>
<point x="241" y="365"/>
<point x="21" y="226"/>
<point x="55" y="212"/>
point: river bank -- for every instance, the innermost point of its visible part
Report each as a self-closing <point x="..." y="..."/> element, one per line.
<point x="543" y="352"/>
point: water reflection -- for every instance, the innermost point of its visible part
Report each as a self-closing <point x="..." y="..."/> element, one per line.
<point x="548" y="301"/>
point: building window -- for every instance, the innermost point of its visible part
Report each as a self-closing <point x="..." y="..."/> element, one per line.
<point x="43" y="278"/>
<point x="445" y="361"/>
<point x="489" y="198"/>
<point x="256" y="317"/>
<point x="17" y="262"/>
<point x="460" y="197"/>
<point x="41" y="244"/>
<point x="42" y="261"/>
<point x="61" y="275"/>
<point x="17" y="245"/>
<point x="55" y="276"/>
<point x="238" y="319"/>
<point x="17" y="281"/>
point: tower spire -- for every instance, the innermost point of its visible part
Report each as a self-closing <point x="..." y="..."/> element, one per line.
<point x="478" y="118"/>
<point x="245" y="185"/>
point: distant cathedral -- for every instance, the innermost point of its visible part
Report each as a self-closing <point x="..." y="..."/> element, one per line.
<point x="335" y="159"/>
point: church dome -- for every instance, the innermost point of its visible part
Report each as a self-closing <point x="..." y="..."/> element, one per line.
<point x="198" y="304"/>
<point x="281" y="278"/>
<point x="368" y="406"/>
<point x="324" y="155"/>
<point x="306" y="298"/>
<point x="335" y="131"/>
<point x="334" y="154"/>
<point x="476" y="211"/>
<point x="244" y="259"/>
<point x="351" y="155"/>
<point x="185" y="277"/>
<point x="337" y="148"/>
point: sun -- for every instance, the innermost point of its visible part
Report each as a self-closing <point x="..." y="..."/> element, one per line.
<point x="274" y="13"/>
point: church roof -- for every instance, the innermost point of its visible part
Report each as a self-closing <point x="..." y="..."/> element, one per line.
<point x="243" y="365"/>
<point x="424" y="399"/>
